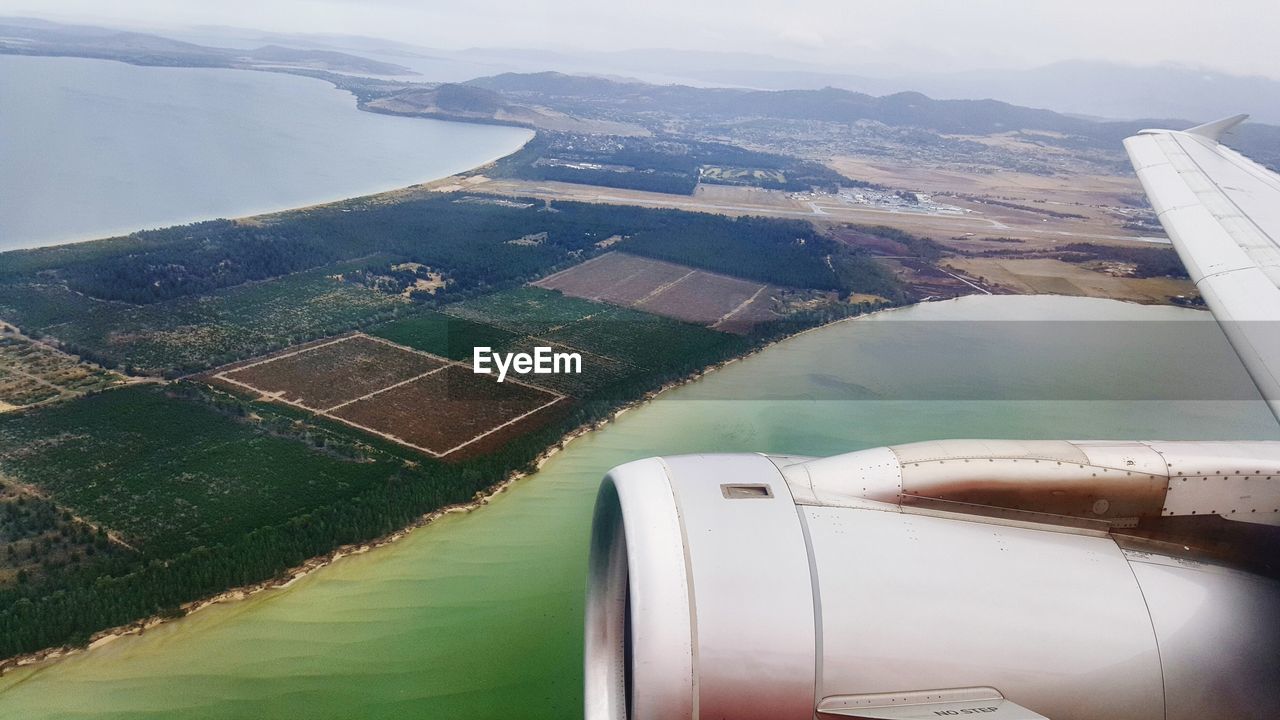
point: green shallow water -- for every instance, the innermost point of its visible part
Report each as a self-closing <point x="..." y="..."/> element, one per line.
<point x="478" y="615"/>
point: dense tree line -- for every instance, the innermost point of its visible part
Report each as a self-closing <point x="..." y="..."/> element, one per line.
<point x="1147" y="261"/>
<point x="470" y="242"/>
<point x="644" y="180"/>
<point x="788" y="253"/>
<point x="920" y="246"/>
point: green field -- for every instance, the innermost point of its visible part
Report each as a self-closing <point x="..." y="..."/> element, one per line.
<point x="641" y="343"/>
<point x="169" y="473"/>
<point x="195" y="332"/>
<point x="183" y="299"/>
<point x="445" y="335"/>
<point x="526" y="310"/>
<point x="619" y="345"/>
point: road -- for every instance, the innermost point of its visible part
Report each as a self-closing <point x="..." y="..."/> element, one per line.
<point x="818" y="210"/>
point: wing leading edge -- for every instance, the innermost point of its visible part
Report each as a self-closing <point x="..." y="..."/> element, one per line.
<point x="1222" y="212"/>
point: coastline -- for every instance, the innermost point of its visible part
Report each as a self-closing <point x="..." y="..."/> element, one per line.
<point x="320" y="199"/>
<point x="288" y="577"/>
<point x="250" y="215"/>
<point x="48" y="656"/>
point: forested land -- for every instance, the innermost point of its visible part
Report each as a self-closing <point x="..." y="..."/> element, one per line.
<point x="209" y="490"/>
<point x="129" y="503"/>
<point x="182" y="299"/>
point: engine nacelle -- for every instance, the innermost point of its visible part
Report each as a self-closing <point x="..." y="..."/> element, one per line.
<point x="717" y="589"/>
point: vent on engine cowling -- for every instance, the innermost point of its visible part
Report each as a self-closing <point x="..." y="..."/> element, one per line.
<point x="741" y="492"/>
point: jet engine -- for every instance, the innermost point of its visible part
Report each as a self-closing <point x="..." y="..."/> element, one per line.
<point x="1008" y="579"/>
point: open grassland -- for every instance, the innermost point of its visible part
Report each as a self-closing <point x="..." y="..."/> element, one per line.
<point x="1053" y="276"/>
<point x="1105" y="213"/>
<point x="32" y="373"/>
<point x="615" y="278"/>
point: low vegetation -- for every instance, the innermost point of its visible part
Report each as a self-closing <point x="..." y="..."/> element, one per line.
<point x="31" y="373"/>
<point x="1139" y="262"/>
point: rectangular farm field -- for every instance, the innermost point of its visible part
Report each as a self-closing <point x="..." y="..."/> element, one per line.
<point x="328" y="374"/>
<point x="616" y="278"/>
<point x="706" y="299"/>
<point x="447" y="410"/>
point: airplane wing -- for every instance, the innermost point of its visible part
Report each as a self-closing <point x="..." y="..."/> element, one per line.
<point x="1222" y="211"/>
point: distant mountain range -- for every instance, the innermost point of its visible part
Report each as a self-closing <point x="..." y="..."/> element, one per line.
<point x="27" y="36"/>
<point x="1080" y="93"/>
<point x="1098" y="89"/>
<point x="585" y="94"/>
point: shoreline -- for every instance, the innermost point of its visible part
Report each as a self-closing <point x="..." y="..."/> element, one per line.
<point x="423" y="185"/>
<point x="48" y="656"/>
<point x="357" y="105"/>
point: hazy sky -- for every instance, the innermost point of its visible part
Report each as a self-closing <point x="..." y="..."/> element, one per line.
<point x="1236" y="36"/>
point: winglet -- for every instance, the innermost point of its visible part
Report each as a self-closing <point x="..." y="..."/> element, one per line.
<point x="1215" y="130"/>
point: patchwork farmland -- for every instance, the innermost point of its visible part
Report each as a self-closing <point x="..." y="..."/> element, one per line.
<point x="668" y="289"/>
<point x="410" y="380"/>
<point x="429" y="403"/>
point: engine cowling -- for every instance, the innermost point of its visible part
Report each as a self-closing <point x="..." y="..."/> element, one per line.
<point x="720" y="589"/>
